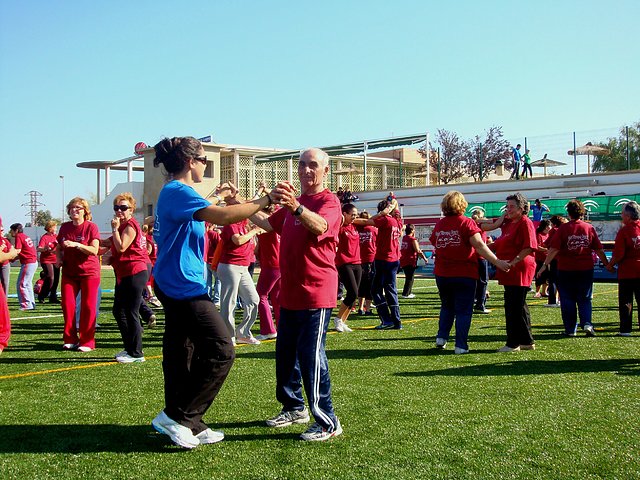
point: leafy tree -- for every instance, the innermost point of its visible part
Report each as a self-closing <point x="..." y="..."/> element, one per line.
<point x="43" y="216"/>
<point x="494" y="148"/>
<point x="617" y="159"/>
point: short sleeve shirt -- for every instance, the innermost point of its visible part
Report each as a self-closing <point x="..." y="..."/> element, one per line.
<point x="516" y="236"/>
<point x="627" y="248"/>
<point x="309" y="278"/>
<point x="233" y="254"/>
<point x="180" y="271"/>
<point x="575" y="240"/>
<point x="455" y="257"/>
<point x="368" y="235"/>
<point x="388" y="238"/>
<point x="348" y="246"/>
<point x="74" y="262"/>
<point x="28" y="253"/>
<point x="48" y="241"/>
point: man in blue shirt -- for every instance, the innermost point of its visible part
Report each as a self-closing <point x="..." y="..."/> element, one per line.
<point x="515" y="153"/>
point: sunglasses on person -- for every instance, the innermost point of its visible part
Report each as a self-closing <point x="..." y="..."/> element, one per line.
<point x="203" y="160"/>
<point x="122" y="208"/>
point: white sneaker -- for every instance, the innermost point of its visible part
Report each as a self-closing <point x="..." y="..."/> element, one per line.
<point x="268" y="336"/>
<point x="179" y="434"/>
<point x="338" y="324"/>
<point x="248" y="340"/>
<point x="85" y="349"/>
<point x="440" y="342"/>
<point x="316" y="433"/>
<point x="69" y="346"/>
<point x="120" y="354"/>
<point x="209" y="436"/>
<point x="460" y="351"/>
<point x="411" y="295"/>
<point x="284" y="419"/>
<point x="588" y="329"/>
<point x="624" y="334"/>
<point x="126" y="358"/>
<point x="346" y="328"/>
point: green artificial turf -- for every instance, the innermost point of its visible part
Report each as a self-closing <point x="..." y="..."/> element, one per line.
<point x="566" y="410"/>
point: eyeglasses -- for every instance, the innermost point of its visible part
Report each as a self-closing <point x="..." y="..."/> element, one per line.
<point x="202" y="160"/>
<point x="122" y="208"/>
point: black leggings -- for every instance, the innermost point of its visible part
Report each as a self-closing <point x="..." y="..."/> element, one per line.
<point x="350" y="276"/>
<point x="408" y="270"/>
<point x="51" y="279"/>
<point x="126" y="306"/>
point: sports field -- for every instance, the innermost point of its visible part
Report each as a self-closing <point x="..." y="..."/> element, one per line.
<point x="566" y="410"/>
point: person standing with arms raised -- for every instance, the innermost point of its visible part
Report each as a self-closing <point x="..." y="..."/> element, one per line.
<point x="308" y="226"/>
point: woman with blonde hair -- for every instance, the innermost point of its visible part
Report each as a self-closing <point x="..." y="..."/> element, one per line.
<point x="77" y="250"/>
<point x="456" y="240"/>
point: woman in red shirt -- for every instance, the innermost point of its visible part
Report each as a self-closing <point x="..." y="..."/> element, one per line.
<point x="456" y="239"/>
<point x="368" y="234"/>
<point x="516" y="245"/>
<point x="235" y="280"/>
<point x="540" y="254"/>
<point x="5" y="322"/>
<point x="5" y="266"/>
<point x="573" y="245"/>
<point x="28" y="265"/>
<point x="409" y="252"/>
<point x="47" y="248"/>
<point x="78" y="245"/>
<point x="268" y="287"/>
<point x="349" y="265"/>
<point x="626" y="253"/>
<point x="129" y="260"/>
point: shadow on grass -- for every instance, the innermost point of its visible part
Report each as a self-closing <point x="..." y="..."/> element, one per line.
<point x="110" y="438"/>
<point x="535" y="367"/>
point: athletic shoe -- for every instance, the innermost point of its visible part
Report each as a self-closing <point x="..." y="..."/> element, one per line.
<point x="384" y="326"/>
<point x="179" y="434"/>
<point x="460" y="351"/>
<point x="440" y="342"/>
<point x="151" y="323"/>
<point x="85" y="349"/>
<point x="248" y="340"/>
<point x="507" y="348"/>
<point x="537" y="295"/>
<point x="396" y="326"/>
<point x="411" y="295"/>
<point x="569" y="334"/>
<point x="120" y="353"/>
<point x="339" y="326"/>
<point x="126" y="358"/>
<point x="268" y="336"/>
<point x="284" y="419"/>
<point x="623" y="334"/>
<point x="69" y="346"/>
<point x="208" y="436"/>
<point x="481" y="310"/>
<point x="346" y="328"/>
<point x="552" y="305"/>
<point x="588" y="329"/>
<point x="154" y="302"/>
<point x="528" y="347"/>
<point x="317" y="433"/>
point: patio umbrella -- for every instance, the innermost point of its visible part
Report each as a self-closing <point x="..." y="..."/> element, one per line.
<point x="546" y="162"/>
<point x="589" y="149"/>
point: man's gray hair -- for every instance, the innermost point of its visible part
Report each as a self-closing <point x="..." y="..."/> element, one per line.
<point x="633" y="210"/>
<point x="321" y="156"/>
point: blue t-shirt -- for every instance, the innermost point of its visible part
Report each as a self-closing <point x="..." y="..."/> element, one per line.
<point x="537" y="211"/>
<point x="180" y="270"/>
<point x="516" y="155"/>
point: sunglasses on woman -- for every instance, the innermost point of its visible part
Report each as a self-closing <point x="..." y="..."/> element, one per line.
<point x="122" y="208"/>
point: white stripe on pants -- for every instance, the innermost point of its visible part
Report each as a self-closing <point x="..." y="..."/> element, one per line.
<point x="235" y="280"/>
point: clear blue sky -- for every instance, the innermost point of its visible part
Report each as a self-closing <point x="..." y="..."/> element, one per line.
<point x="85" y="81"/>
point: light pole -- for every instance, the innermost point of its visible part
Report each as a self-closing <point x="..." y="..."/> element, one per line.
<point x="62" y="178"/>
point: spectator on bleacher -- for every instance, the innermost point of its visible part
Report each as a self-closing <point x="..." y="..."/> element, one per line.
<point x="573" y="244"/>
<point x="626" y="254"/>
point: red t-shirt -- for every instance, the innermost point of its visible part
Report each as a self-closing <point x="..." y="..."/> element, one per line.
<point x="154" y="248"/>
<point x="50" y="241"/>
<point x="408" y="254"/>
<point x="211" y="239"/>
<point x="516" y="237"/>
<point x="233" y="254"/>
<point x="269" y="250"/>
<point x="28" y="253"/>
<point x="74" y="262"/>
<point x="540" y="239"/>
<point x="368" y="235"/>
<point x="575" y="241"/>
<point x="135" y="258"/>
<point x="455" y="257"/>
<point x="308" y="268"/>
<point x="348" y="246"/>
<point x="5" y="246"/>
<point x="627" y="248"/>
<point x="387" y="241"/>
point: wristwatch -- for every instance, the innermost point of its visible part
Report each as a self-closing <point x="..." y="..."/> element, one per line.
<point x="298" y="211"/>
